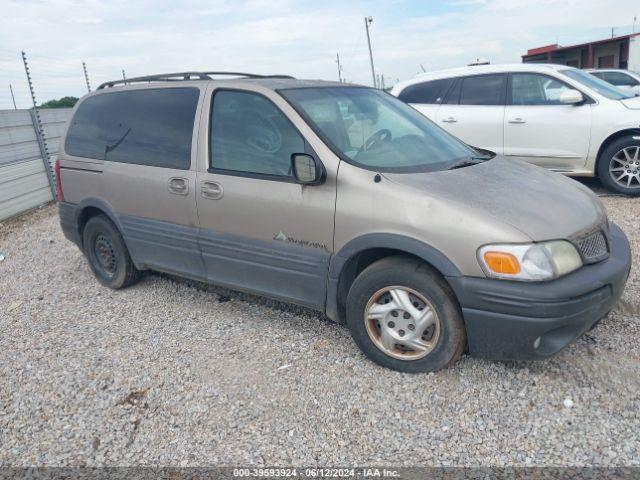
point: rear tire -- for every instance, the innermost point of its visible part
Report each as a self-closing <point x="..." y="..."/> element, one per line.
<point x="619" y="166"/>
<point x="107" y="254"/>
<point x="404" y="316"/>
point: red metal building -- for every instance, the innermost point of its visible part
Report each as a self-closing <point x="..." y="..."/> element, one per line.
<point x="617" y="52"/>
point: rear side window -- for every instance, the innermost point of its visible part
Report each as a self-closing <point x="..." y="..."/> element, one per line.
<point x="145" y="127"/>
<point x="483" y="90"/>
<point x="432" y="92"/>
<point x="619" y="79"/>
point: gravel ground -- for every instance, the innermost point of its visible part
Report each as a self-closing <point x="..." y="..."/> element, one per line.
<point x="169" y="372"/>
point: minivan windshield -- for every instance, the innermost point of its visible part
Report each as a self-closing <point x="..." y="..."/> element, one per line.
<point x="594" y="83"/>
<point x="377" y="131"/>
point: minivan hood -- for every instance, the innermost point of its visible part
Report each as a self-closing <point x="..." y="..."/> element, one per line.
<point x="632" y="103"/>
<point x="541" y="204"/>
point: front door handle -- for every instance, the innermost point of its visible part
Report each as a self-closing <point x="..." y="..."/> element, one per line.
<point x="517" y="120"/>
<point x="449" y="120"/>
<point x="179" y="186"/>
<point x="211" y="190"/>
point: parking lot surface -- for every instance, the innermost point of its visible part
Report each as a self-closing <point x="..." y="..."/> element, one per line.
<point x="170" y="372"/>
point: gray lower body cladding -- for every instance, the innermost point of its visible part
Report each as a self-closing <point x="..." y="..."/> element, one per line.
<point x="277" y="269"/>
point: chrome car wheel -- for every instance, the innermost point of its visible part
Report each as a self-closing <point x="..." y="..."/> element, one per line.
<point x="624" y="167"/>
<point x="402" y="323"/>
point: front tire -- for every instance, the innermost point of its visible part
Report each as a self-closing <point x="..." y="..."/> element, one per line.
<point x="403" y="316"/>
<point x="619" y="166"/>
<point x="107" y="254"/>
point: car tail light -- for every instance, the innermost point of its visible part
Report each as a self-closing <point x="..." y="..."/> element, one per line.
<point x="59" y="192"/>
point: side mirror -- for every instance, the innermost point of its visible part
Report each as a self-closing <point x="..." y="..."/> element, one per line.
<point x="571" y="97"/>
<point x="306" y="169"/>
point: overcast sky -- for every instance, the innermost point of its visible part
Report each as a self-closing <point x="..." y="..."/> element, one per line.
<point x="297" y="37"/>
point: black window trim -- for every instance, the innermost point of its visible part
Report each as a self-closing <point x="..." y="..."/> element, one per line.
<point x="587" y="99"/>
<point x="194" y="130"/>
<point x="308" y="149"/>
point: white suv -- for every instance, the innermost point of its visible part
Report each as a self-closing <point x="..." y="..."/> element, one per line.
<point x="625" y="80"/>
<point x="555" y="116"/>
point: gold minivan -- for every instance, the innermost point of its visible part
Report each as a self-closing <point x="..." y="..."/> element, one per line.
<point x="343" y="199"/>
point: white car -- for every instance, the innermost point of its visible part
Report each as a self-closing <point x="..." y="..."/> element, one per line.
<point x="625" y="80"/>
<point x="555" y="116"/>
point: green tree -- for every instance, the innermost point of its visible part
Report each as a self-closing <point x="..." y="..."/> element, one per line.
<point x="64" y="102"/>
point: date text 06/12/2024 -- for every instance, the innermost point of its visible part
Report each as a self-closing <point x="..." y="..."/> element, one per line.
<point x="314" y="473"/>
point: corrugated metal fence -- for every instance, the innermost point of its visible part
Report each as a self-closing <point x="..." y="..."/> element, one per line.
<point x="24" y="182"/>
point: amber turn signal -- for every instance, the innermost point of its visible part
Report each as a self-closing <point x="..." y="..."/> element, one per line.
<point x="500" y="262"/>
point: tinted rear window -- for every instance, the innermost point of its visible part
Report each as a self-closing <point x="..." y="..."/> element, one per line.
<point x="483" y="90"/>
<point x="426" y="92"/>
<point x="146" y="127"/>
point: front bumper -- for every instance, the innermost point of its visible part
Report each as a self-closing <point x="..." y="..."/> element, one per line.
<point x="508" y="320"/>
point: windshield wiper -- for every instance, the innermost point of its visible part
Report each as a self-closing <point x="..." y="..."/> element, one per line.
<point x="468" y="162"/>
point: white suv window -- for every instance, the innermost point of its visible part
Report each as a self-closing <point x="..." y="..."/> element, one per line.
<point x="482" y="90"/>
<point x="619" y="79"/>
<point x="536" y="89"/>
<point x="431" y="92"/>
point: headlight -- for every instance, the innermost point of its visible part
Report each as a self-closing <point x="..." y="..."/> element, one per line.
<point x="533" y="261"/>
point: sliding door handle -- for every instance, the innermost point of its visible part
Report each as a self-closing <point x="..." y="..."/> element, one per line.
<point x="179" y="186"/>
<point x="211" y="190"/>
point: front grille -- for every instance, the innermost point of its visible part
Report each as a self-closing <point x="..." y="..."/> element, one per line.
<point x="593" y="247"/>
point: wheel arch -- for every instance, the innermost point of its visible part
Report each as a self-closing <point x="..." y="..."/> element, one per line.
<point x="91" y="207"/>
<point x="612" y="138"/>
<point x="362" y="251"/>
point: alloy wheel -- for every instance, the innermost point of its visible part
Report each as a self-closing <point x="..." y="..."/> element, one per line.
<point x="624" y="167"/>
<point x="402" y="323"/>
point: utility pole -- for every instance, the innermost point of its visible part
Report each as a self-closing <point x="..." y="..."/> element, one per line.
<point x="367" y="21"/>
<point x="86" y="76"/>
<point x="13" y="98"/>
<point x="339" y="67"/>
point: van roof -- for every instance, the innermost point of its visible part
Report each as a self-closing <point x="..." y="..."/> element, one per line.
<point x="268" y="81"/>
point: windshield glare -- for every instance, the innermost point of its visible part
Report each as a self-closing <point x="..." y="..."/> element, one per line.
<point x="594" y="83"/>
<point x="376" y="131"/>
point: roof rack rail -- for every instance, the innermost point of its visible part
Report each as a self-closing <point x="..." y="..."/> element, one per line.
<point x="181" y="76"/>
